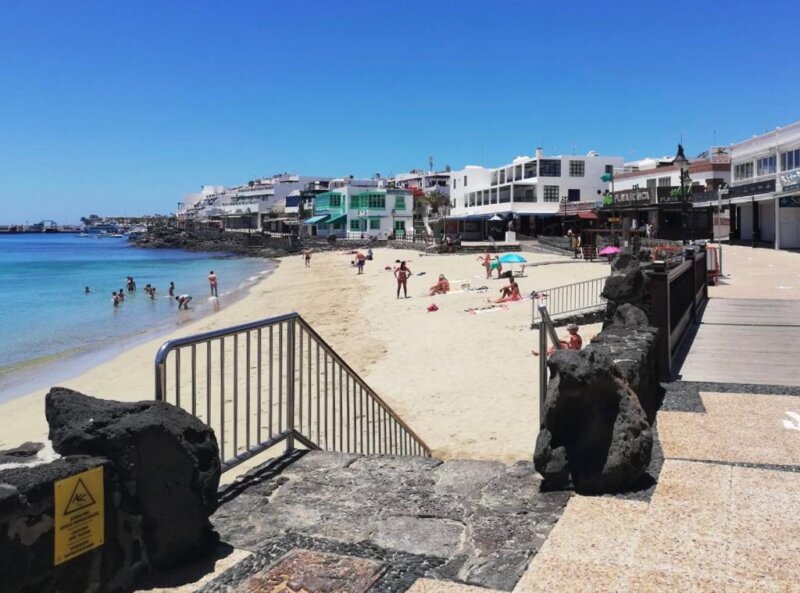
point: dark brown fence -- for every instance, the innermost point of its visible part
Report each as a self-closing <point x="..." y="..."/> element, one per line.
<point x="680" y="290"/>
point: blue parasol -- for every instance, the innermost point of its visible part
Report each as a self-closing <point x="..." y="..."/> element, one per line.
<point x="512" y="258"/>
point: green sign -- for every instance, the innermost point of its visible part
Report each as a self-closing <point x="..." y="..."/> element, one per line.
<point x="607" y="177"/>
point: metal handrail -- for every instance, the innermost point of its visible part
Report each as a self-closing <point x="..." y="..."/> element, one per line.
<point x="546" y="330"/>
<point x="300" y="390"/>
<point x="570" y="298"/>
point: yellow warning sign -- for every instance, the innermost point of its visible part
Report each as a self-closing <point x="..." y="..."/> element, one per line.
<point x="79" y="514"/>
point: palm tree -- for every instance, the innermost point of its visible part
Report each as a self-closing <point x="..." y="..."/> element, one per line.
<point x="433" y="201"/>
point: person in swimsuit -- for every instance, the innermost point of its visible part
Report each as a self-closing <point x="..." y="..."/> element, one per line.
<point x="171" y="289"/>
<point x="441" y="287"/>
<point x="495" y="265"/>
<point x="360" y="259"/>
<point x="402" y="274"/>
<point x="115" y="299"/>
<point x="121" y="295"/>
<point x="183" y="301"/>
<point x="508" y="293"/>
<point x="573" y="342"/>
<point x="487" y="264"/>
<point x="307" y="257"/>
<point x="212" y="283"/>
<point x="87" y="290"/>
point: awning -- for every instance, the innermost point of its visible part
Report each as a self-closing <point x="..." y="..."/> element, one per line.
<point x="316" y="219"/>
<point x="587" y="215"/>
<point x="336" y="218"/>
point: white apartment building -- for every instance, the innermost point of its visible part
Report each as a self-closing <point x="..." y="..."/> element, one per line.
<point x="528" y="189"/>
<point x="245" y="206"/>
<point x="765" y="188"/>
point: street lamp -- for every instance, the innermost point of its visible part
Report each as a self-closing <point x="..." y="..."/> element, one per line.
<point x="682" y="163"/>
<point x="564" y="216"/>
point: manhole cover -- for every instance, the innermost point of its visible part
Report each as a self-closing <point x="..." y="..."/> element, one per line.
<point x="303" y="571"/>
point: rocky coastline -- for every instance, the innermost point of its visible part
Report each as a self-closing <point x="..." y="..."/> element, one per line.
<point x="256" y="244"/>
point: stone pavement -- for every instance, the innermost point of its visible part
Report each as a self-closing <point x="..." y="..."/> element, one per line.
<point x="476" y="522"/>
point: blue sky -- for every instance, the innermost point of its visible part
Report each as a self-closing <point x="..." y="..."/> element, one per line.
<point x="121" y="107"/>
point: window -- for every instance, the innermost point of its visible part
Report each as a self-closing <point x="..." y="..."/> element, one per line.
<point x="766" y="166"/>
<point x="610" y="169"/>
<point x="530" y="169"/>
<point x="399" y="202"/>
<point x="374" y="224"/>
<point x="550" y="168"/>
<point x="664" y="182"/>
<point x="374" y="201"/>
<point x="455" y="182"/>
<point x="577" y="168"/>
<point x="400" y="225"/>
<point x="574" y="195"/>
<point x="743" y="171"/>
<point x="790" y="160"/>
<point x="502" y="176"/>
<point x="465" y="181"/>
<point x="551" y="193"/>
<point x="505" y="194"/>
<point x="335" y="201"/>
<point x="355" y="224"/>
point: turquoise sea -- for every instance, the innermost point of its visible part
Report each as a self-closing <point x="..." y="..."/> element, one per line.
<point x="46" y="316"/>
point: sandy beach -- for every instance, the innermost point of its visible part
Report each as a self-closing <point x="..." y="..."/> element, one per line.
<point x="464" y="381"/>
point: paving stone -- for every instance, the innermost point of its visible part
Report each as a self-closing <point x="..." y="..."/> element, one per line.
<point x="466" y="476"/>
<point x="433" y="537"/>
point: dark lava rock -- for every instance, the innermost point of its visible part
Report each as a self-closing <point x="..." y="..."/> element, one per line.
<point x="631" y="343"/>
<point x="594" y="430"/>
<point x="167" y="459"/>
<point x="25" y="452"/>
<point x="627" y="283"/>
<point x="27" y="529"/>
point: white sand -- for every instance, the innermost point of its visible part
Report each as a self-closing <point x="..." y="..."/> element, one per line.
<point x="467" y="384"/>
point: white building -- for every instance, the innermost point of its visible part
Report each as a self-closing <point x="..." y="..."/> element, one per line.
<point x="765" y="189"/>
<point x="527" y="189"/>
<point x="352" y="210"/>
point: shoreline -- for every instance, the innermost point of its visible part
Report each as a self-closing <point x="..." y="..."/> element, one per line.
<point x="30" y="375"/>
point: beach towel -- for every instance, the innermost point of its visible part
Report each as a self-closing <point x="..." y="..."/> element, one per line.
<point x="487" y="309"/>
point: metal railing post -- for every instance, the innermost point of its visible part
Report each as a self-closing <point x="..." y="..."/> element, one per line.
<point x="542" y="369"/>
<point x="290" y="365"/>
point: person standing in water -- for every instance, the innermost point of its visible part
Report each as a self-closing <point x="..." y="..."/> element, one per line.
<point x="402" y="274"/>
<point x="212" y="283"/>
<point x="115" y="299"/>
<point x="87" y="290"/>
<point x="172" y="289"/>
<point x="183" y="301"/>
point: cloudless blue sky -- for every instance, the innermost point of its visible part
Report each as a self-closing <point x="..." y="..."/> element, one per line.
<point x="120" y="107"/>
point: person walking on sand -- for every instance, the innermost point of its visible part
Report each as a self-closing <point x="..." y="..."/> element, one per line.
<point x="183" y="301"/>
<point x="307" y="257"/>
<point x="212" y="283"/>
<point x="495" y="264"/>
<point x="487" y="264"/>
<point x="402" y="274"/>
<point x="360" y="259"/>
